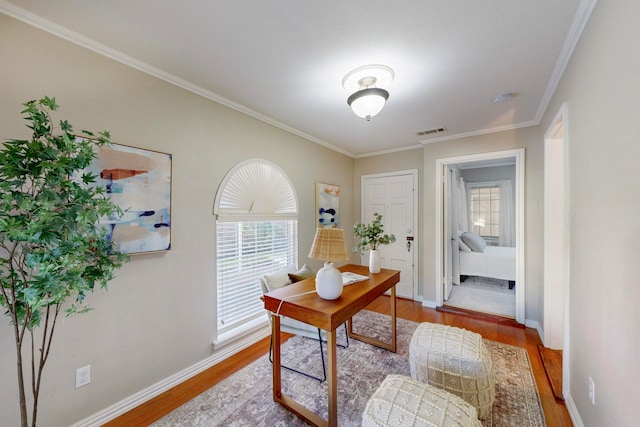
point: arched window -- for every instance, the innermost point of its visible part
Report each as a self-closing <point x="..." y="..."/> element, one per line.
<point x="257" y="233"/>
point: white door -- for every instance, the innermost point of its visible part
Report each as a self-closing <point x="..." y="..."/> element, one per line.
<point x="393" y="197"/>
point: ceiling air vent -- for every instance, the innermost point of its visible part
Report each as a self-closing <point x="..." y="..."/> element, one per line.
<point x="431" y="131"/>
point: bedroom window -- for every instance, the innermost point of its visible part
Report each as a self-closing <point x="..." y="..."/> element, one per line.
<point x="485" y="211"/>
<point x="256" y="234"/>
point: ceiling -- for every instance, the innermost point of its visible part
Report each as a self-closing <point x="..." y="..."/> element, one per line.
<point x="283" y="61"/>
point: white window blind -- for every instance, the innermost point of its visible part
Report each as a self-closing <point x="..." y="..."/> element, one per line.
<point x="257" y="233"/>
<point x="247" y="250"/>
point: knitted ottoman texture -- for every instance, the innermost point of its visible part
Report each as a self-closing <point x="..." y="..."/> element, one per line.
<point x="403" y="401"/>
<point x="455" y="360"/>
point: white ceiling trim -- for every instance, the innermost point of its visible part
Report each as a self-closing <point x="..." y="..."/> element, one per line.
<point x="57" y="30"/>
<point x="393" y="150"/>
<point x="582" y="16"/>
<point x="480" y="132"/>
<point x="585" y="8"/>
<point x="580" y="21"/>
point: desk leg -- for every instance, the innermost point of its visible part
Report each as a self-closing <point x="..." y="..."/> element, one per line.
<point x="277" y="370"/>
<point x="393" y="320"/>
<point x="392" y="346"/>
<point x="332" y="378"/>
<point x="290" y="403"/>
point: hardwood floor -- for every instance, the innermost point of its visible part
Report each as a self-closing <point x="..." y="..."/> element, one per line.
<point x="552" y="362"/>
<point x="556" y="413"/>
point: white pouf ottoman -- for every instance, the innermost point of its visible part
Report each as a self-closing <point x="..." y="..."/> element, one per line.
<point x="455" y="360"/>
<point x="403" y="401"/>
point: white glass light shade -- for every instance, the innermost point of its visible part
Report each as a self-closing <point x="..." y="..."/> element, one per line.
<point x="329" y="282"/>
<point x="366" y="103"/>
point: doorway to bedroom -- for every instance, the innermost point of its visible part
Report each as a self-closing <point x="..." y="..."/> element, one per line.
<point x="480" y="248"/>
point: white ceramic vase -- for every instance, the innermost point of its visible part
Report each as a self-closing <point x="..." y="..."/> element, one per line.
<point x="329" y="282"/>
<point x="374" y="261"/>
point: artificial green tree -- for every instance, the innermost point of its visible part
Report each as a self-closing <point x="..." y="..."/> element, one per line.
<point x="53" y="250"/>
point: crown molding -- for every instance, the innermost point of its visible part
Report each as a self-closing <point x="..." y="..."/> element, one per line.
<point x="39" y="22"/>
<point x="390" y="151"/>
<point x="480" y="132"/>
<point x="582" y="16"/>
<point x="585" y="8"/>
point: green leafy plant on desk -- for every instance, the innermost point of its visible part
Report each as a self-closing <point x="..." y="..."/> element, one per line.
<point x="371" y="237"/>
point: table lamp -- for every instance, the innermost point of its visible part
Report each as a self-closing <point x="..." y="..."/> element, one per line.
<point x="328" y="245"/>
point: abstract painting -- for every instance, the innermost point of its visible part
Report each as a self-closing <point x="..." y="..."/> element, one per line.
<point x="139" y="182"/>
<point x="327" y="205"/>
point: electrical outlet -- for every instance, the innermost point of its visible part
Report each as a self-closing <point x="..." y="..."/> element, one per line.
<point x="83" y="376"/>
<point x="592" y="391"/>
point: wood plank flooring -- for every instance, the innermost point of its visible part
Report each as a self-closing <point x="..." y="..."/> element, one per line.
<point x="552" y="362"/>
<point x="556" y="413"/>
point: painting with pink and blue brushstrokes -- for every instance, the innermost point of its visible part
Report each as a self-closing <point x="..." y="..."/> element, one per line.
<point x="139" y="181"/>
<point x="327" y="205"/>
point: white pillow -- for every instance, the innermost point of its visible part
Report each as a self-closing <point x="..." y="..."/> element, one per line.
<point x="475" y="242"/>
<point x="463" y="246"/>
<point x="276" y="280"/>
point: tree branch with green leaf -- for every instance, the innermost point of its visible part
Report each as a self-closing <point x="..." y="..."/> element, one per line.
<point x="53" y="249"/>
<point x="371" y="235"/>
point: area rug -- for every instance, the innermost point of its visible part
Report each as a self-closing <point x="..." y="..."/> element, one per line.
<point x="245" y="398"/>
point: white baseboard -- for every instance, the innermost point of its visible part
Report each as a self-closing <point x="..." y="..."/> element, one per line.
<point x="160" y="387"/>
<point x="535" y="325"/>
<point x="573" y="411"/>
<point x="430" y="304"/>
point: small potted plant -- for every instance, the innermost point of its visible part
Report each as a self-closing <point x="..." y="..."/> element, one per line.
<point x="371" y="237"/>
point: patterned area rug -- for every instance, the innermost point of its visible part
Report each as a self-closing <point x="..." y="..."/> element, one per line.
<point x="244" y="399"/>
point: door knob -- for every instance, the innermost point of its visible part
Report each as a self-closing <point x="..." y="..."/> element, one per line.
<point x="409" y="240"/>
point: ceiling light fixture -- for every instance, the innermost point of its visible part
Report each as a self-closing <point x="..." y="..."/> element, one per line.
<point x="368" y="82"/>
<point x="503" y="97"/>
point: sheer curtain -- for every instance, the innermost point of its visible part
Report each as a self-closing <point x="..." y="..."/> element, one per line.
<point x="463" y="206"/>
<point x="507" y="223"/>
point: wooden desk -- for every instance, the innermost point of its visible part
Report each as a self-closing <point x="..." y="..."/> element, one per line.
<point x="327" y="315"/>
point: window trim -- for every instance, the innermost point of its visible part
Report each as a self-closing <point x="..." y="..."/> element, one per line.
<point x="254" y="190"/>
<point x="476" y="186"/>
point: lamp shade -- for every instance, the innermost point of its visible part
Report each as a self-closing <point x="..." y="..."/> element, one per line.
<point x="366" y="103"/>
<point x="329" y="245"/>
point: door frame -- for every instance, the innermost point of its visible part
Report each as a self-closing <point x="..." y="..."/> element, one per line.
<point x="519" y="154"/>
<point x="447" y="210"/>
<point x="556" y="141"/>
<point x="416" y="231"/>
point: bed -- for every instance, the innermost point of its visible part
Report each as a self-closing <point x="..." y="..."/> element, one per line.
<point x="497" y="262"/>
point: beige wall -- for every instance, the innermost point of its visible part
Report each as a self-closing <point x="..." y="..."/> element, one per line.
<point x="531" y="141"/>
<point x="158" y="316"/>
<point x="601" y="86"/>
<point x="399" y="161"/>
<point x="424" y="160"/>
